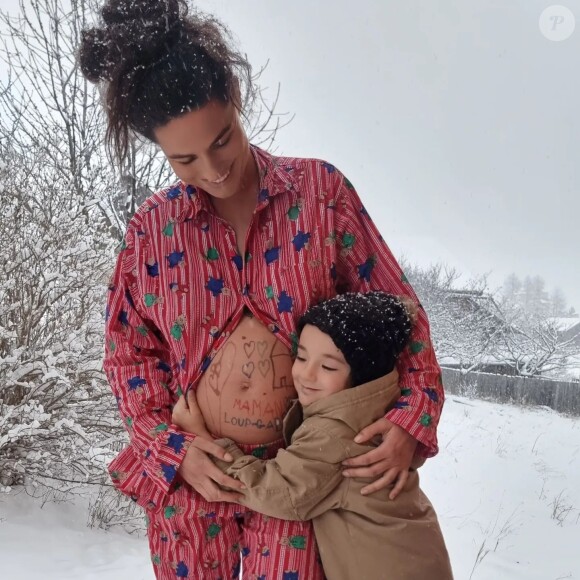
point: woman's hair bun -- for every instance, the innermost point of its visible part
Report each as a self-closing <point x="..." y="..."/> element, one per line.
<point x="133" y="30"/>
<point x="130" y="11"/>
<point x="154" y="61"/>
<point x="94" y="54"/>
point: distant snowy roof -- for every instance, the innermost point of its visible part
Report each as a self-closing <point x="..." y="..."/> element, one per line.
<point x="482" y="299"/>
<point x="564" y="324"/>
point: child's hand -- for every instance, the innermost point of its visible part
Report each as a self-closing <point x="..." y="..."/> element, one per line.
<point x="390" y="460"/>
<point x="187" y="416"/>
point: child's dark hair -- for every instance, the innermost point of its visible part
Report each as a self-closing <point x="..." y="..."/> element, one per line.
<point x="370" y="330"/>
<point x="157" y="61"/>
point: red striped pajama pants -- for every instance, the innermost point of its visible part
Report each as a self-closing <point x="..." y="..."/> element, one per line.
<point x="195" y="539"/>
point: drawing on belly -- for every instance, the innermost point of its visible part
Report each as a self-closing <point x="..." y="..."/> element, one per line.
<point x="213" y="377"/>
<point x="283" y="383"/>
<point x="248" y="369"/>
<point x="275" y="424"/>
<point x="261" y="408"/>
<point x="221" y="368"/>
<point x="280" y="358"/>
<point x="262" y="348"/>
<point x="218" y="374"/>
<point x="264" y="367"/>
<point x="249" y="348"/>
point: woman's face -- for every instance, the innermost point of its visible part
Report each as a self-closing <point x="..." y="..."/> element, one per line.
<point x="208" y="148"/>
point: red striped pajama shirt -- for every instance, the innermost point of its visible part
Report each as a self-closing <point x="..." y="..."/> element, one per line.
<point x="180" y="286"/>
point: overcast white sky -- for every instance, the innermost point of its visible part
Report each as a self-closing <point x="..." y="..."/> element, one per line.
<point x="457" y="121"/>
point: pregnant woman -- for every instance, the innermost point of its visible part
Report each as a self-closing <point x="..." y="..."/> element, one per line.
<point x="210" y="281"/>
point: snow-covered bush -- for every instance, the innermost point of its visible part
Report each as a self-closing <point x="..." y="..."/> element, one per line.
<point x="65" y="207"/>
<point x="57" y="417"/>
<point x="109" y="508"/>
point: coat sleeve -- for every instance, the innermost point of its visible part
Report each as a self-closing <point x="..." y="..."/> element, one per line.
<point x="137" y="364"/>
<point x="300" y="483"/>
<point x="364" y="262"/>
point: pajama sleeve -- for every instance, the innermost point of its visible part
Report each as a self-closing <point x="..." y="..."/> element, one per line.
<point x="138" y="366"/>
<point x="363" y="262"/>
<point x="300" y="483"/>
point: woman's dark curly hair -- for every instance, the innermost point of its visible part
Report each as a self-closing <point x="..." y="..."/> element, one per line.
<point x="155" y="61"/>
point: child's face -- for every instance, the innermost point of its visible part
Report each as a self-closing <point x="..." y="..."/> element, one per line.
<point x="320" y="368"/>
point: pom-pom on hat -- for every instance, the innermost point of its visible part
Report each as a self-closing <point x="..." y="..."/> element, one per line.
<point x="370" y="330"/>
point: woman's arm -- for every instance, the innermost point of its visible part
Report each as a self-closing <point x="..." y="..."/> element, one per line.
<point x="364" y="262"/>
<point x="138" y="368"/>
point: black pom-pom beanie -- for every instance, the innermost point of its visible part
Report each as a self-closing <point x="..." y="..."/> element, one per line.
<point x="370" y="330"/>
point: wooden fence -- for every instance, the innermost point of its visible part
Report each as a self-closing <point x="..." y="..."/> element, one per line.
<point x="561" y="396"/>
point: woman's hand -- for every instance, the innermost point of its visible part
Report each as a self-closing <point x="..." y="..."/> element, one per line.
<point x="187" y="416"/>
<point x="203" y="475"/>
<point x="197" y="468"/>
<point x="391" y="459"/>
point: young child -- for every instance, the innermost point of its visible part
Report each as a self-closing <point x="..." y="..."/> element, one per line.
<point x="345" y="377"/>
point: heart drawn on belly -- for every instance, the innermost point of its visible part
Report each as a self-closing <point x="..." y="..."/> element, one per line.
<point x="264" y="367"/>
<point x="248" y="369"/>
<point x="213" y="378"/>
<point x="262" y="348"/>
<point x="249" y="348"/>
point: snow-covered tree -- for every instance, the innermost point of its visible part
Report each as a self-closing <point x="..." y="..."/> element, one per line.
<point x="534" y="345"/>
<point x="465" y="320"/>
<point x="48" y="104"/>
<point x="558" y="305"/>
<point x="531" y="295"/>
<point x="62" y="219"/>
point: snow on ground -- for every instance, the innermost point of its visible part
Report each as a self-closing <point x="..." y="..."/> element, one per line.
<point x="506" y="485"/>
<point x="52" y="542"/>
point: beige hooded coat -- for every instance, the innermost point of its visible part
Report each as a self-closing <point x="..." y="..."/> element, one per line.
<point x="359" y="537"/>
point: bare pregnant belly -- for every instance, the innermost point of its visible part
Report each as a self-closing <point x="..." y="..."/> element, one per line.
<point x="245" y="392"/>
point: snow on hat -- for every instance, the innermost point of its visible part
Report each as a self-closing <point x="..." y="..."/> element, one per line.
<point x="370" y="330"/>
